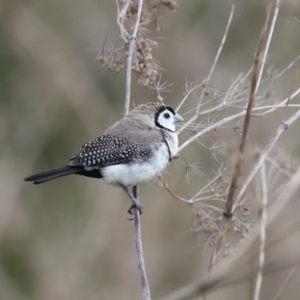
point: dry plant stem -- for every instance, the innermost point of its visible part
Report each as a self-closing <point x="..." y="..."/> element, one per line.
<point x="130" y="56"/>
<point x="190" y="91"/>
<point x="290" y="187"/>
<point x="282" y="127"/>
<point x="139" y="249"/>
<point x="236" y="116"/>
<point x="277" y="206"/>
<point x="275" y="209"/>
<point x="192" y="290"/>
<point x="275" y="15"/>
<point x="263" y="225"/>
<point x="223" y="276"/>
<point x="223" y="279"/>
<point x="276" y="106"/>
<point x="287" y="68"/>
<point x="296" y="93"/>
<point x="237" y="170"/>
<point x="257" y="63"/>
<point x="121" y="15"/>
<point x="136" y="215"/>
<point x="216" y="58"/>
<point x="292" y="87"/>
<point x="210" y="74"/>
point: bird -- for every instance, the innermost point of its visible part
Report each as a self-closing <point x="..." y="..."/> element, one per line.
<point x="132" y="151"/>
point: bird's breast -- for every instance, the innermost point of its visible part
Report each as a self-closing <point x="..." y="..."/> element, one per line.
<point x="139" y="170"/>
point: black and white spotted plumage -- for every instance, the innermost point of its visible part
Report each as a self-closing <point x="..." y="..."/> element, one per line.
<point x="106" y="150"/>
<point x="132" y="151"/>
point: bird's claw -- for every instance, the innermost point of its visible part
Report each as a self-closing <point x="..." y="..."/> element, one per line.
<point x="138" y="206"/>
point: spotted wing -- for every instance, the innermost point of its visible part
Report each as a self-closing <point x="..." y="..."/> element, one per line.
<point x="107" y="150"/>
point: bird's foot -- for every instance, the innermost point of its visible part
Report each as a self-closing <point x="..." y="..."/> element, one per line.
<point x="136" y="205"/>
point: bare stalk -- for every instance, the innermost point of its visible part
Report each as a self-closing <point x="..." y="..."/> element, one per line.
<point x="130" y="56"/>
<point x="292" y="87"/>
<point x="136" y="214"/>
<point x="139" y="249"/>
<point x="254" y="81"/>
<point x="225" y="274"/>
<point x="209" y="75"/>
<point x="263" y="225"/>
<point x="282" y="127"/>
<point x="296" y="93"/>
<point x="189" y="92"/>
<point x="226" y="120"/>
<point x="216" y="58"/>
<point x="237" y="171"/>
<point x="275" y="15"/>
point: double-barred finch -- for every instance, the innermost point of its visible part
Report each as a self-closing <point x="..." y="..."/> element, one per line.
<point x="132" y="151"/>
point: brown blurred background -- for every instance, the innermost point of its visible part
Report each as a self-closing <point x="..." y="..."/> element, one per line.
<point x="70" y="238"/>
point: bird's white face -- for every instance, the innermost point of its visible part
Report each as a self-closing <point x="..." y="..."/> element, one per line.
<point x="167" y="118"/>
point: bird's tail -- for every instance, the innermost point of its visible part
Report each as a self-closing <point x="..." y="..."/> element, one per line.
<point x="52" y="174"/>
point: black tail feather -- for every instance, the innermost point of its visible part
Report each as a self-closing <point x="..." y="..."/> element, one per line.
<point x="53" y="173"/>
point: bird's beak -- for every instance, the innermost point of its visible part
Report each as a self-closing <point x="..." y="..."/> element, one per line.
<point x="177" y="118"/>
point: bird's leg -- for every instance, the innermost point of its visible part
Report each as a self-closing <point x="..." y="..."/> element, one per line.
<point x="135" y="203"/>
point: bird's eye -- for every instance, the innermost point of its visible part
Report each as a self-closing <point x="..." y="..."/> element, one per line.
<point x="167" y="115"/>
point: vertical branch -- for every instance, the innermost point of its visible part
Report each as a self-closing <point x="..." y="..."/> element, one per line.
<point x="129" y="58"/>
<point x="136" y="214"/>
<point x="139" y="249"/>
<point x="284" y="125"/>
<point x="254" y="81"/>
<point x="268" y="43"/>
<point x="236" y="175"/>
<point x="263" y="224"/>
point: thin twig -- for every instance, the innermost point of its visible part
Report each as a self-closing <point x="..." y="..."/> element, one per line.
<point x="263" y="224"/>
<point x="292" y="87"/>
<point x="290" y="65"/>
<point x="274" y="106"/>
<point x="189" y="92"/>
<point x="139" y="249"/>
<point x="237" y="116"/>
<point x="223" y="280"/>
<point x="192" y="200"/>
<point x="210" y="73"/>
<point x="130" y="56"/>
<point x="225" y="276"/>
<point x="216" y="58"/>
<point x="210" y="128"/>
<point x="296" y="93"/>
<point x="121" y="15"/>
<point x="136" y="214"/>
<point x="275" y="15"/>
<point x="282" y="127"/>
<point x="229" y="203"/>
<point x="257" y="63"/>
<point x="278" y="167"/>
<point x="234" y="87"/>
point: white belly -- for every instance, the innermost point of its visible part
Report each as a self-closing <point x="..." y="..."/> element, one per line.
<point x="137" y="172"/>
